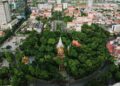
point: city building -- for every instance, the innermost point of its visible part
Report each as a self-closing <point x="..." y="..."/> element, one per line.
<point x="113" y="47"/>
<point x="65" y="5"/>
<point x="45" y="10"/>
<point x="94" y="1"/>
<point x="47" y="14"/>
<point x="106" y="6"/>
<point x="51" y="1"/>
<point x="58" y="1"/>
<point x="70" y="11"/>
<point x="34" y="25"/>
<point x="58" y="7"/>
<point x="44" y="6"/>
<point x="12" y="4"/>
<point x="35" y="2"/>
<point x="2" y="33"/>
<point x="5" y="15"/>
<point x="78" y="22"/>
<point x="90" y="5"/>
<point x="114" y="29"/>
<point x="18" y="8"/>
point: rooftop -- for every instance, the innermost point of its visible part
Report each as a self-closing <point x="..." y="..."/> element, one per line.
<point x="60" y="44"/>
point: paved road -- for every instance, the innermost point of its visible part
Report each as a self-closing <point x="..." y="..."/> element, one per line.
<point x="14" y="42"/>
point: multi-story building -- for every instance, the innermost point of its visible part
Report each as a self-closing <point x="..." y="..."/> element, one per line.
<point x="18" y="7"/>
<point x="5" y="16"/>
<point x="44" y="6"/>
<point x="51" y="1"/>
<point x="103" y="1"/>
<point x="35" y="2"/>
<point x="58" y="1"/>
<point x="94" y="1"/>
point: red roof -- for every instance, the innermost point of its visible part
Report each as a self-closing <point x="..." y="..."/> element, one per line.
<point x="117" y="51"/>
<point x="110" y="47"/>
<point x="2" y="33"/>
<point x="76" y="43"/>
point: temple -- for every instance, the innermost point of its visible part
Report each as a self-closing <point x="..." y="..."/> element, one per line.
<point x="60" y="53"/>
<point x="25" y="60"/>
<point x="60" y="48"/>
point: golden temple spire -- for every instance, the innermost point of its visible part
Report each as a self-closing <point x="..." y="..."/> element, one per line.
<point x="60" y="48"/>
<point x="60" y="44"/>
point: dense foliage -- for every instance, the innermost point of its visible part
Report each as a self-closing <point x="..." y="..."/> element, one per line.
<point x="60" y="16"/>
<point x="8" y="34"/>
<point x="110" y="76"/>
<point x="4" y="76"/>
<point x="79" y="61"/>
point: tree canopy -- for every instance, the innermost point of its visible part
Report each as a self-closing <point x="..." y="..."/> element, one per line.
<point x="79" y="61"/>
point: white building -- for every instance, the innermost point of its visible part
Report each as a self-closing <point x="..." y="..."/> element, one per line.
<point x="13" y="4"/>
<point x="90" y="4"/>
<point x="5" y="16"/>
<point x="117" y="84"/>
<point x="51" y="1"/>
<point x="58" y="7"/>
<point x="114" y="29"/>
<point x="44" y="6"/>
<point x="74" y="26"/>
<point x="12" y="23"/>
<point x="65" y="5"/>
<point x="34" y="25"/>
<point x="58" y="1"/>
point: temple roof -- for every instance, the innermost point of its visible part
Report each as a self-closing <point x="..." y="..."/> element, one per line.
<point x="60" y="44"/>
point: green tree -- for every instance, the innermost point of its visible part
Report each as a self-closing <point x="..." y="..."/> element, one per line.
<point x="9" y="56"/>
<point x="51" y="41"/>
<point x="67" y="19"/>
<point x="117" y="76"/>
<point x="73" y="66"/>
